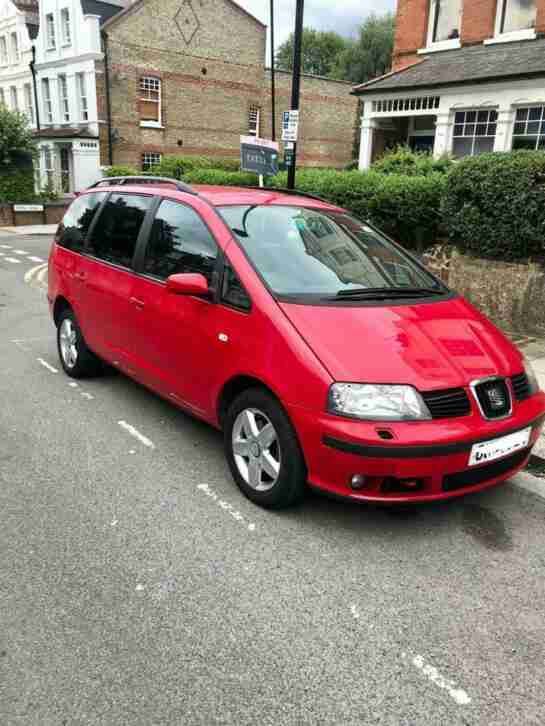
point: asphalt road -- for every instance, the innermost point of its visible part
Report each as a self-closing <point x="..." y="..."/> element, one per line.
<point x="138" y="587"/>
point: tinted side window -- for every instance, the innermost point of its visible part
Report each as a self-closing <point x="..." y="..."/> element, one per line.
<point x="78" y="219"/>
<point x="179" y="242"/>
<point x="232" y="291"/>
<point x="116" y="231"/>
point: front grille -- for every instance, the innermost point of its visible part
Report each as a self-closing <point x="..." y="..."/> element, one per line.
<point x="451" y="403"/>
<point x="521" y="386"/>
<point x="472" y="477"/>
<point x="494" y="398"/>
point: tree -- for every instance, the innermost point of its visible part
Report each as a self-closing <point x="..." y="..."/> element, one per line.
<point x="371" y="54"/>
<point x="15" y="136"/>
<point x="319" y="51"/>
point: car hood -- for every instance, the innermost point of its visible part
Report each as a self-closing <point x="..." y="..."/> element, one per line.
<point x="429" y="345"/>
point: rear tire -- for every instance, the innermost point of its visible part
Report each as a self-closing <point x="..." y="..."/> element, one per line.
<point x="263" y="451"/>
<point x="77" y="360"/>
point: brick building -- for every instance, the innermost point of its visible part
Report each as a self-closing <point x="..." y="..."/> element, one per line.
<point x="468" y="77"/>
<point x="188" y="77"/>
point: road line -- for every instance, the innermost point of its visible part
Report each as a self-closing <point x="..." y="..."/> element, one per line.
<point x="137" y="435"/>
<point x="226" y="506"/>
<point x="42" y="274"/>
<point x="355" y="612"/>
<point x="35" y="259"/>
<point x="13" y="260"/>
<point x="20" y="252"/>
<point x="5" y="247"/>
<point x="45" y="364"/>
<point x="88" y="396"/>
<point x="432" y="674"/>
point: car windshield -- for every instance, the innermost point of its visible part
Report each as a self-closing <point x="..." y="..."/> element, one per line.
<point x="317" y="253"/>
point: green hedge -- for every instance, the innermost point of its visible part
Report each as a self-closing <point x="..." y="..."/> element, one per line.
<point x="177" y="166"/>
<point x="17" y="186"/>
<point x="120" y="171"/>
<point x="494" y="205"/>
<point x="218" y="177"/>
<point x="403" y="160"/>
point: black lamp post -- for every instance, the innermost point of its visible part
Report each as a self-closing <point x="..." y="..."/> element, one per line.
<point x="296" y="82"/>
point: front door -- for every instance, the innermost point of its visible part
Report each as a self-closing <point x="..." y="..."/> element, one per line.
<point x="174" y="336"/>
<point x="107" y="276"/>
<point x="66" y="169"/>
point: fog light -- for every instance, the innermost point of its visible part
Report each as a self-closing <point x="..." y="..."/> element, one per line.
<point x="358" y="481"/>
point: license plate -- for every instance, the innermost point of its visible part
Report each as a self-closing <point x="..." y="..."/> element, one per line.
<point x="498" y="448"/>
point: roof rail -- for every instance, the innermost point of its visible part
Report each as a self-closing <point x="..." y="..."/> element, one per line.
<point x="120" y="180"/>
<point x="292" y="192"/>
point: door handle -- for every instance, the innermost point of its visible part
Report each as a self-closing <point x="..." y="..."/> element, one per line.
<point x="140" y="304"/>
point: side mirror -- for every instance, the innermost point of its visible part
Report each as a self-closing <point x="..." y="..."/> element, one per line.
<point x="188" y="283"/>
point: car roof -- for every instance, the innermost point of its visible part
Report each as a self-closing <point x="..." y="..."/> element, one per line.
<point x="219" y="196"/>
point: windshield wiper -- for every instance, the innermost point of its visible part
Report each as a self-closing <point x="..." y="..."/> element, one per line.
<point x="388" y="292"/>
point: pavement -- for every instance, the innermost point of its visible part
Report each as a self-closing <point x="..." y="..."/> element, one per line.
<point x="29" y="230"/>
<point x="139" y="588"/>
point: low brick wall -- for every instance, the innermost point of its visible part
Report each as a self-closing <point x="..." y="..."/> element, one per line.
<point x="52" y="214"/>
<point x="512" y="294"/>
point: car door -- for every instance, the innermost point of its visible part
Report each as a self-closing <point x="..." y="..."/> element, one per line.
<point x="107" y="276"/>
<point x="174" y="335"/>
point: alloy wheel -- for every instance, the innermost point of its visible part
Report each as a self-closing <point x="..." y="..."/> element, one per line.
<point x="256" y="449"/>
<point x="68" y="343"/>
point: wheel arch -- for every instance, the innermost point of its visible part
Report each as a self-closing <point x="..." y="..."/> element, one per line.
<point x="61" y="304"/>
<point x="234" y="387"/>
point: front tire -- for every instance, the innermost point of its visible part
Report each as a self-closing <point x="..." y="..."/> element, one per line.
<point x="263" y="451"/>
<point x="77" y="360"/>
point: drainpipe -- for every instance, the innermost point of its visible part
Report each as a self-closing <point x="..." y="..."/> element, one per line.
<point x="32" y="65"/>
<point x="108" y="98"/>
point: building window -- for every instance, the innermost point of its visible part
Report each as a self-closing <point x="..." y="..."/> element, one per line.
<point x="48" y="106"/>
<point x="65" y="27"/>
<point x="474" y="132"/>
<point x="399" y="105"/>
<point x="150" y="101"/>
<point x="63" y="98"/>
<point x="2" y="97"/>
<point x="29" y="107"/>
<point x="529" y="130"/>
<point x="150" y="159"/>
<point x="3" y="51"/>
<point x="445" y="20"/>
<point x="517" y="15"/>
<point x="254" y="115"/>
<point x="50" y="31"/>
<point x="49" y="171"/>
<point x="82" y="94"/>
<point x="14" y="98"/>
<point x="15" y="48"/>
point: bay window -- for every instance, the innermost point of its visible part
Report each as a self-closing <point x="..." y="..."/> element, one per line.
<point x="474" y="132"/>
<point x="529" y="129"/>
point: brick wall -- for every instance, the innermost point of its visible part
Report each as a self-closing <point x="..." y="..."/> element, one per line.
<point x="208" y="86"/>
<point x="478" y="24"/>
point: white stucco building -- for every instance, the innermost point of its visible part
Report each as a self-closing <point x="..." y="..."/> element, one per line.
<point x="64" y="38"/>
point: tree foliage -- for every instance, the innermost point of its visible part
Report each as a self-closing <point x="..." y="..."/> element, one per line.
<point x="319" y="52"/>
<point x="15" y="135"/>
<point x="370" y="55"/>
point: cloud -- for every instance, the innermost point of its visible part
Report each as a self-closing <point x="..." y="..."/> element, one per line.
<point x="343" y="17"/>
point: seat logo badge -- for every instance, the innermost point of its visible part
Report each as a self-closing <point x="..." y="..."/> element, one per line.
<point x="496" y="397"/>
<point x="224" y="338"/>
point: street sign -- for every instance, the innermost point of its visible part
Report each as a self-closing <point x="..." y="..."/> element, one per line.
<point x="259" y="156"/>
<point x="290" y="125"/>
<point x="28" y="207"/>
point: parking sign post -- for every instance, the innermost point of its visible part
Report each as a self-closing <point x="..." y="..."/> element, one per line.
<point x="296" y="82"/>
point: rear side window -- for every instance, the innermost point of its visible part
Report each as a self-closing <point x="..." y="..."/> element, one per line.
<point x="78" y="219"/>
<point x="179" y="242"/>
<point x="116" y="232"/>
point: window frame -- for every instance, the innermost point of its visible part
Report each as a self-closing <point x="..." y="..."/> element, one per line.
<point x="83" y="104"/>
<point x="4" y="50"/>
<point x="47" y="101"/>
<point x="29" y="102"/>
<point x="154" y="153"/>
<point x="14" y="98"/>
<point x="2" y="97"/>
<point x="50" y="32"/>
<point x="254" y="110"/>
<point x="64" y="98"/>
<point x="500" y="35"/>
<point x="88" y="252"/>
<point x="15" y="49"/>
<point x="66" y="28"/>
<point x="81" y="250"/>
<point x="433" y="19"/>
<point x="158" y="124"/>
<point x="141" y="249"/>
<point x="541" y="122"/>
<point x="474" y="137"/>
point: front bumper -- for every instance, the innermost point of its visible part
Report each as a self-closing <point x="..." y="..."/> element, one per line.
<point x="433" y="453"/>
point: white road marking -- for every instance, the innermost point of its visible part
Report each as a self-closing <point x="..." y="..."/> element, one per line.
<point x="137" y="435"/>
<point x="355" y="612"/>
<point x="5" y="247"/>
<point x="45" y="364"/>
<point x="88" y="396"/>
<point x="115" y="521"/>
<point x="35" y="259"/>
<point x="432" y="674"/>
<point x="36" y="275"/>
<point x="139" y="588"/>
<point x="226" y="506"/>
<point x="73" y="384"/>
<point x="41" y="274"/>
<point x="13" y="260"/>
<point x="20" y="252"/>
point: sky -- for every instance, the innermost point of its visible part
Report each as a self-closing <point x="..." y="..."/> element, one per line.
<point x="343" y="17"/>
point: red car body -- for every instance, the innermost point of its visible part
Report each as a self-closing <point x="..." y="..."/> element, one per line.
<point x="194" y="352"/>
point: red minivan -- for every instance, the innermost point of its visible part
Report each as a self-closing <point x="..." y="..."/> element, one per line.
<point x="326" y="353"/>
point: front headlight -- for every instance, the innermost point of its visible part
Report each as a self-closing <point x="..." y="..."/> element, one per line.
<point x="377" y="402"/>
<point x="533" y="383"/>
